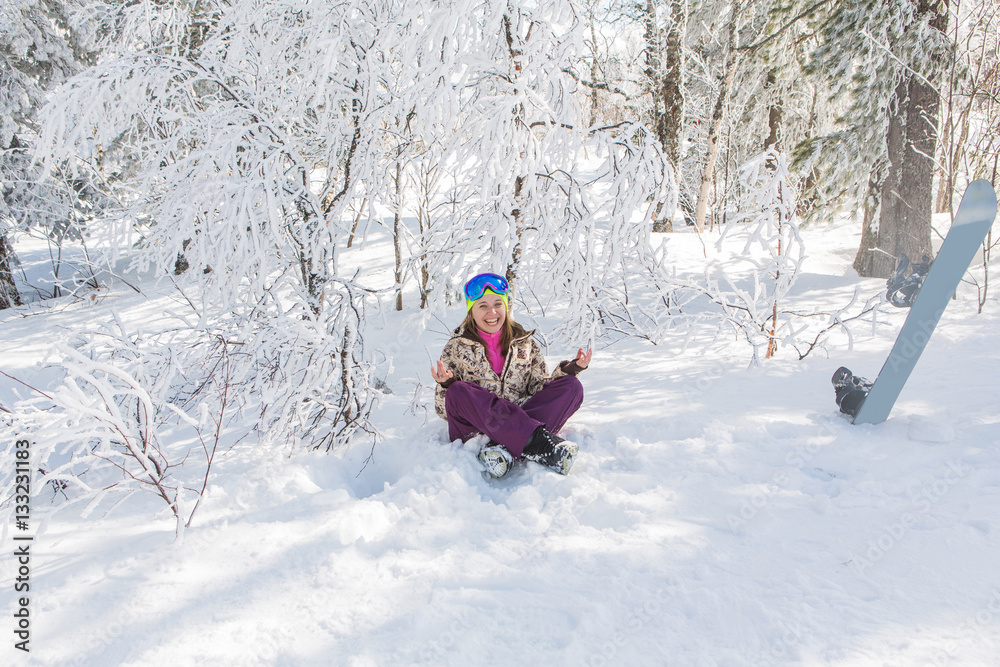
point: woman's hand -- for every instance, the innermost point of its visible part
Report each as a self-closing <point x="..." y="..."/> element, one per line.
<point x="583" y="358"/>
<point x="441" y="373"/>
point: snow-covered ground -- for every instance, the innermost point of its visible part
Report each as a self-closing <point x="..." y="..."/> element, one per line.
<point x="716" y="515"/>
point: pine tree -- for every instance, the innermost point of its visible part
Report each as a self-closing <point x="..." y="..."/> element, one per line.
<point x="887" y="59"/>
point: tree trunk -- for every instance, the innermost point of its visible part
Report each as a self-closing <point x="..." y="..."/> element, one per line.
<point x="664" y="71"/>
<point x="312" y="268"/>
<point x="516" y="53"/>
<point x="397" y="231"/>
<point x="594" y="73"/>
<point x="424" y="223"/>
<point x="943" y="200"/>
<point x="774" y="112"/>
<point x="954" y="152"/>
<point x="810" y="197"/>
<point x="672" y="85"/>
<point x="357" y="219"/>
<point x="515" y="256"/>
<point x="8" y="290"/>
<point x="708" y="173"/>
<point x="906" y="197"/>
<point x="869" y="237"/>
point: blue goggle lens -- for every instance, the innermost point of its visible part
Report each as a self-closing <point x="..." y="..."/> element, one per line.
<point x="475" y="288"/>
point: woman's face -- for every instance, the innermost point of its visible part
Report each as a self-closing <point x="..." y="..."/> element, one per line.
<point x="489" y="313"/>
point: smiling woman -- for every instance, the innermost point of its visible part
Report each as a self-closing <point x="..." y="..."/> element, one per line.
<point x="492" y="379"/>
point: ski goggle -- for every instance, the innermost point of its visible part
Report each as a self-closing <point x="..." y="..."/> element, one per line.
<point x="477" y="286"/>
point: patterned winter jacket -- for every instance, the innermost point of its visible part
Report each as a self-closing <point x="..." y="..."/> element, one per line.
<point x="524" y="372"/>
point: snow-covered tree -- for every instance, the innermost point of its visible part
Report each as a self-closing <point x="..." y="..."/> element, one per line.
<point x="41" y="44"/>
<point x="888" y="57"/>
<point x="970" y="101"/>
<point x="564" y="209"/>
<point x="134" y="412"/>
<point x="769" y="242"/>
<point x="734" y="15"/>
<point x="243" y="155"/>
<point x="664" y="35"/>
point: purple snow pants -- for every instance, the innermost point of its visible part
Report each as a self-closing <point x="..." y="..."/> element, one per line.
<point x="472" y="409"/>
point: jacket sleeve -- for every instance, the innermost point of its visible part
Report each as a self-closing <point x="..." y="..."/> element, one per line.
<point x="449" y="360"/>
<point x="570" y="367"/>
<point x="439" y="401"/>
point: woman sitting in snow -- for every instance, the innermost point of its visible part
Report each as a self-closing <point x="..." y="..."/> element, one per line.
<point x="492" y="379"/>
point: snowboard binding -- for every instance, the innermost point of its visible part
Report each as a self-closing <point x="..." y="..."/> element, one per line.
<point x="551" y="450"/>
<point x="900" y="290"/>
<point x="851" y="390"/>
<point x="496" y="460"/>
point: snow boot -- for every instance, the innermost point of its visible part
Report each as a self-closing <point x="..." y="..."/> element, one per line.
<point x="496" y="459"/>
<point x="851" y="390"/>
<point x="550" y="450"/>
<point x="900" y="290"/>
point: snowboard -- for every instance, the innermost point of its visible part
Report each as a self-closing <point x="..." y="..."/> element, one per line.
<point x="972" y="222"/>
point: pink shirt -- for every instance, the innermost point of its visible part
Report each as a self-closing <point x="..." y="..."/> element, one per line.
<point x="493" y="351"/>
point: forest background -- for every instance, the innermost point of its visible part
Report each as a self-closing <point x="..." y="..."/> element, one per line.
<point x="238" y="152"/>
